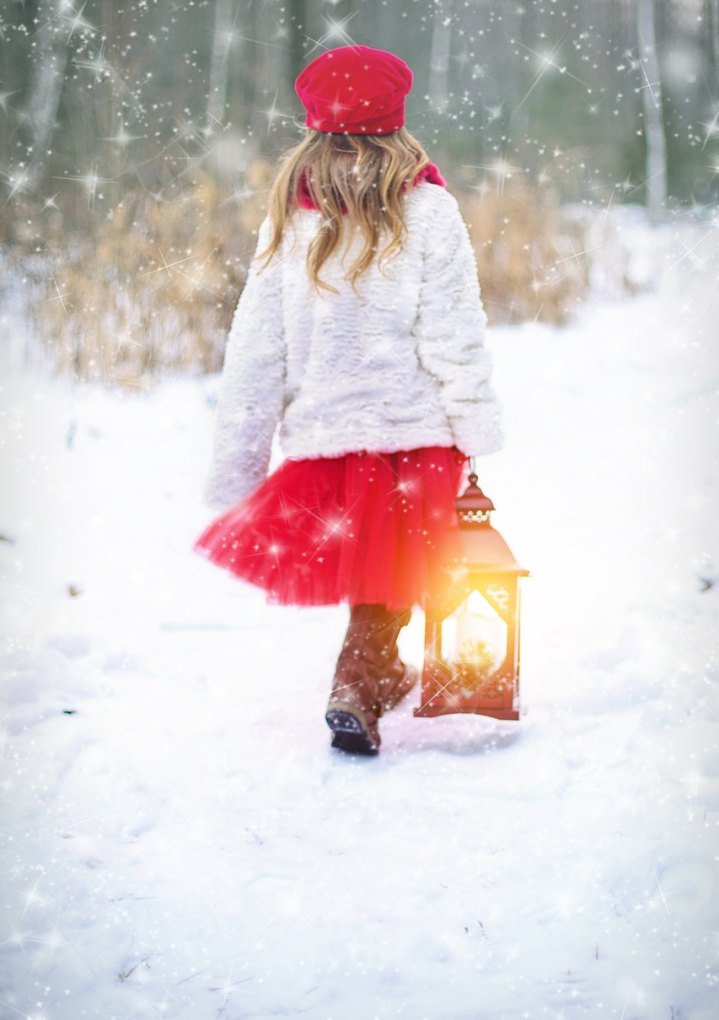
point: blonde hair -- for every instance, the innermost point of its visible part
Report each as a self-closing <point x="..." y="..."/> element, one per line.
<point x="366" y="174"/>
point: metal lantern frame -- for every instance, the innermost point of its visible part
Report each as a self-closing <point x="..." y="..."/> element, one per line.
<point x="488" y="566"/>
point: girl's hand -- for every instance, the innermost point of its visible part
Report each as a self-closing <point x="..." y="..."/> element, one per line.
<point x="461" y="457"/>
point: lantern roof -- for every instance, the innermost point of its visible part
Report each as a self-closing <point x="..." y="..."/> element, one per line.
<point x="484" y="548"/>
<point x="485" y="551"/>
<point x="473" y="505"/>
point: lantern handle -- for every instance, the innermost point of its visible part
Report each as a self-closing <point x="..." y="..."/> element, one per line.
<point x="473" y="466"/>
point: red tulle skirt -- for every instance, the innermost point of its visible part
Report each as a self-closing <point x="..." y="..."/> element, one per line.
<point x="361" y="527"/>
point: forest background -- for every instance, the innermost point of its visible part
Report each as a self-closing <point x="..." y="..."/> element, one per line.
<point x="138" y="141"/>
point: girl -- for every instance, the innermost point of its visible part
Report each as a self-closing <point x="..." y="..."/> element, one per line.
<point x="376" y="373"/>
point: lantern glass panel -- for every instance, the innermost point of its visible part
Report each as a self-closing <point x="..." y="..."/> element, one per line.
<point x="474" y="635"/>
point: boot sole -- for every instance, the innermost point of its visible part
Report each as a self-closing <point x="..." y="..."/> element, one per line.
<point x="350" y="730"/>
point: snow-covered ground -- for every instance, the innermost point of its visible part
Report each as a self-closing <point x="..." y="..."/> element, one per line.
<point x="181" y="841"/>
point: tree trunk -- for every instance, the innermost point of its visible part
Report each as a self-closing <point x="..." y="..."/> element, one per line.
<point x="221" y="42"/>
<point x="43" y="101"/>
<point x="299" y="29"/>
<point x="439" y="57"/>
<point x="712" y="21"/>
<point x="654" y="135"/>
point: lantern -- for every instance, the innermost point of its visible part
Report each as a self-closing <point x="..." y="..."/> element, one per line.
<point x="471" y="656"/>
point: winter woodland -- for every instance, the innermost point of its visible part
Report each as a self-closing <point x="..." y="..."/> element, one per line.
<point x="178" y="838"/>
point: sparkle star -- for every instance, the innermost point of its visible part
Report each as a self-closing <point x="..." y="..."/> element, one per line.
<point x="77" y="21"/>
<point x="4" y="96"/>
<point x="19" y="181"/>
<point x="91" y="180"/>
<point x="335" y="32"/>
<point x="501" y="169"/>
<point x="33" y="898"/>
<point x="274" y="114"/>
<point x="122" y="137"/>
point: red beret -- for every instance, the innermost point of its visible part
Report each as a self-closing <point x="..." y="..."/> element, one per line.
<point x="355" y="90"/>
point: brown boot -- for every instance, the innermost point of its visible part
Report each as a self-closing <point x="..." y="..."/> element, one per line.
<point x="399" y="678"/>
<point x="370" y="677"/>
<point x="354" y="706"/>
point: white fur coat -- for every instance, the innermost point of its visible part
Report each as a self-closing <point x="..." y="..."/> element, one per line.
<point x="402" y="365"/>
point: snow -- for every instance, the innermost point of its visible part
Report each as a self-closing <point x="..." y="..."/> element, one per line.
<point x="181" y="841"/>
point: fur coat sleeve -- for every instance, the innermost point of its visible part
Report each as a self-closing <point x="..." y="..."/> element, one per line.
<point x="450" y="329"/>
<point x="251" y="390"/>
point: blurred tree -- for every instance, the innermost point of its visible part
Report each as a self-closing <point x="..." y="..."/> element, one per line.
<point x="46" y="82"/>
<point x="439" y="56"/>
<point x="654" y="137"/>
<point x="138" y="93"/>
<point x="225" y="14"/>
<point x="299" y="26"/>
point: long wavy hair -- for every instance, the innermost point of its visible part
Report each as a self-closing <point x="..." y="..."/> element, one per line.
<point x="356" y="181"/>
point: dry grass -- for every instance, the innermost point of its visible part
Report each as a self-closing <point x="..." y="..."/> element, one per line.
<point x="154" y="288"/>
<point x="528" y="253"/>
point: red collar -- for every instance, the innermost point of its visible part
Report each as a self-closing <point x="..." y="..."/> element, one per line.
<point x="430" y="173"/>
